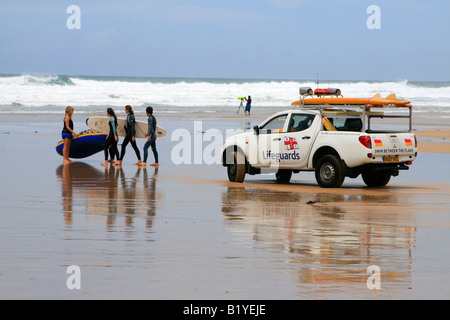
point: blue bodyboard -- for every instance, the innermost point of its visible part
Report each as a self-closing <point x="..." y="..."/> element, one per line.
<point x="89" y="142"/>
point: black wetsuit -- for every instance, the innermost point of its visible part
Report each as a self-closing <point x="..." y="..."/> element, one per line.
<point x="111" y="143"/>
<point x="152" y="142"/>
<point x="130" y="132"/>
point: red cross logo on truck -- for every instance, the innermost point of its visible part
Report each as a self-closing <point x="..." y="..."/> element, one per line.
<point x="290" y="143"/>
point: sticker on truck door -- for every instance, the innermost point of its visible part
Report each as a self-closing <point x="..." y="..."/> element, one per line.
<point x="290" y="143"/>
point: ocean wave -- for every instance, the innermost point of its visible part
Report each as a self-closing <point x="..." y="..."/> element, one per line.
<point x="30" y="91"/>
<point x="33" y="81"/>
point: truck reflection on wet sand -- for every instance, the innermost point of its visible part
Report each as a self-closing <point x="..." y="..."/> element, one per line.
<point x="330" y="239"/>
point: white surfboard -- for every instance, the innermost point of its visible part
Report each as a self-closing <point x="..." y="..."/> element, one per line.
<point x="102" y="124"/>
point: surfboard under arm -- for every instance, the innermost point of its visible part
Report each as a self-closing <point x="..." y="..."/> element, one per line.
<point x="102" y="124"/>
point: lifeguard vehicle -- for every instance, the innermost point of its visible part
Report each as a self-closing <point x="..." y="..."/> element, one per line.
<point x="331" y="135"/>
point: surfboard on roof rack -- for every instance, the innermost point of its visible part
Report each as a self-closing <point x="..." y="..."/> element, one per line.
<point x="333" y="96"/>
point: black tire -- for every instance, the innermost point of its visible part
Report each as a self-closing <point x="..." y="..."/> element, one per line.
<point x="236" y="170"/>
<point x="376" y="179"/>
<point x="329" y="172"/>
<point x="283" y="176"/>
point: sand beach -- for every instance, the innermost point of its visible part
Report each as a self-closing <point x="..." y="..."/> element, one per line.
<point x="181" y="235"/>
<point x="185" y="232"/>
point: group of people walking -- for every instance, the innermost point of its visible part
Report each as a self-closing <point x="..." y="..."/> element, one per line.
<point x="113" y="138"/>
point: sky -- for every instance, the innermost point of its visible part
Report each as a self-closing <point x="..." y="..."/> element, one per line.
<point x="249" y="39"/>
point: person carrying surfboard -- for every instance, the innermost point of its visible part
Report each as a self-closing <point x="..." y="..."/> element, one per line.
<point x="112" y="138"/>
<point x="129" y="136"/>
<point x="67" y="134"/>
<point x="151" y="138"/>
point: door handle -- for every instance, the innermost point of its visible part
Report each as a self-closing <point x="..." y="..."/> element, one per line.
<point x="306" y="137"/>
<point x="276" y="139"/>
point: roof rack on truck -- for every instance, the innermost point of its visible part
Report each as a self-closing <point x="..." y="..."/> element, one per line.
<point x="367" y="108"/>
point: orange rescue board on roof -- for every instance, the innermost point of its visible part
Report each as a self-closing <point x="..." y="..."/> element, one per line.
<point x="349" y="101"/>
<point x="375" y="101"/>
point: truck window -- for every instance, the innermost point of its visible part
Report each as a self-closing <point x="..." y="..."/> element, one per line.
<point x="347" y="124"/>
<point x="275" y="125"/>
<point x="300" y="122"/>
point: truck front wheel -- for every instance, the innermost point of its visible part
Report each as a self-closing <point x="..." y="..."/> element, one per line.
<point x="329" y="172"/>
<point x="236" y="170"/>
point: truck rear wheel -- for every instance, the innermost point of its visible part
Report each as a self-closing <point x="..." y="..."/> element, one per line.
<point x="329" y="172"/>
<point x="376" y="179"/>
<point x="236" y="170"/>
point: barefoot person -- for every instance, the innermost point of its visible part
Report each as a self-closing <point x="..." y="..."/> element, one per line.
<point x="67" y="134"/>
<point x="151" y="138"/>
<point x="112" y="138"/>
<point x="129" y="136"/>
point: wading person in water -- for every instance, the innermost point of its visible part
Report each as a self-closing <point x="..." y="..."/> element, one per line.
<point x="112" y="138"/>
<point x="130" y="130"/>
<point x="151" y="138"/>
<point x="67" y="134"/>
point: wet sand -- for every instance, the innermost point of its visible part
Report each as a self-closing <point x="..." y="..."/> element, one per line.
<point x="185" y="232"/>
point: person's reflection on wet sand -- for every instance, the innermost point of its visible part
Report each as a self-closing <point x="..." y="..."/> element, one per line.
<point x="104" y="193"/>
<point x="76" y="176"/>
<point x="150" y="192"/>
<point x="111" y="176"/>
<point x="67" y="195"/>
<point x="129" y="201"/>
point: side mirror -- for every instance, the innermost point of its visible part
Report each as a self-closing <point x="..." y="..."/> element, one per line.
<point x="256" y="129"/>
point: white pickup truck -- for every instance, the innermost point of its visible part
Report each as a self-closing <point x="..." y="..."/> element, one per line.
<point x="332" y="141"/>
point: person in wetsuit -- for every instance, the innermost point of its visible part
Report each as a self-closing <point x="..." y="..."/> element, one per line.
<point x="112" y="138"/>
<point x="67" y="134"/>
<point x="129" y="136"/>
<point x="151" y="138"/>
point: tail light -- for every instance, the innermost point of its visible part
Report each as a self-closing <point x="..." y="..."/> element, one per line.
<point x="366" y="141"/>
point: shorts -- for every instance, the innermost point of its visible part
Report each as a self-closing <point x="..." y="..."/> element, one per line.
<point x="247" y="108"/>
<point x="66" y="135"/>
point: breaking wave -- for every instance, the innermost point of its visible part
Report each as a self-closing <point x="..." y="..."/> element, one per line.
<point x="25" y="92"/>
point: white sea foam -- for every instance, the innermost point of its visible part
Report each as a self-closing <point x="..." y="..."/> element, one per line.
<point x="50" y="93"/>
